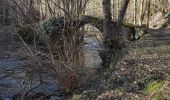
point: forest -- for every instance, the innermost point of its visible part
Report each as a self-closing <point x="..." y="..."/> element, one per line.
<point x="84" y="49"/>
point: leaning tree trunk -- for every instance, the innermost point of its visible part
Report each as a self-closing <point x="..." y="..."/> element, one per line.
<point x="121" y="17"/>
<point x="122" y="12"/>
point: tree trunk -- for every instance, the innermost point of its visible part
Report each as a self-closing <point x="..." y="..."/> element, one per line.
<point x="148" y="14"/>
<point x="4" y="12"/>
<point x="121" y="17"/>
<point x="107" y="18"/>
<point x="134" y="13"/>
<point x="141" y="12"/>
<point x="118" y="8"/>
<point x="112" y="44"/>
<point x="1" y="11"/>
<point x="107" y="32"/>
<point x="122" y="12"/>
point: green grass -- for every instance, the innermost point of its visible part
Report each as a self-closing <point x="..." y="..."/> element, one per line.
<point x="152" y="86"/>
<point x="157" y="96"/>
<point x="154" y="89"/>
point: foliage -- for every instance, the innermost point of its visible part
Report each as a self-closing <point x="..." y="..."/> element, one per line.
<point x="27" y="33"/>
<point x="166" y="25"/>
<point x="48" y="25"/>
<point x="167" y="15"/>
